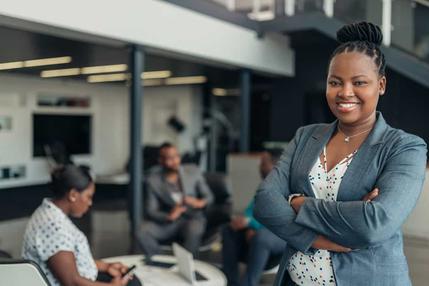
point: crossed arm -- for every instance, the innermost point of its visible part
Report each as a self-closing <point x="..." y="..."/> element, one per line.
<point x="356" y="224"/>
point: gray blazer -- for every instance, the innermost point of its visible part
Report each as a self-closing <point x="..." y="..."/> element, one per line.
<point x="389" y="159"/>
<point x="159" y="201"/>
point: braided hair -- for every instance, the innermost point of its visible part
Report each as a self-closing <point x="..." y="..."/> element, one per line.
<point x="364" y="38"/>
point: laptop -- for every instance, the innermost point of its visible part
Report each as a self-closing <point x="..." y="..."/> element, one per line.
<point x="186" y="265"/>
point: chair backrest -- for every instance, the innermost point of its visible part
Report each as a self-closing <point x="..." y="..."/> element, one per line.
<point x="4" y="254"/>
<point x="219" y="185"/>
<point x="21" y="272"/>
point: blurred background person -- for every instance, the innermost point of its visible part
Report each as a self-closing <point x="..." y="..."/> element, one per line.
<point x="58" y="246"/>
<point x="176" y="197"/>
<point x="246" y="240"/>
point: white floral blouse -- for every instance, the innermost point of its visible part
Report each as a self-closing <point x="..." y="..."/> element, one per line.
<point x="50" y="231"/>
<point x="316" y="269"/>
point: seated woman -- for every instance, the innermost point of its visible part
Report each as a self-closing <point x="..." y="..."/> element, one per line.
<point x="58" y="246"/>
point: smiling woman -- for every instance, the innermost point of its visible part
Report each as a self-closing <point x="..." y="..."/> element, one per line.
<point x="341" y="191"/>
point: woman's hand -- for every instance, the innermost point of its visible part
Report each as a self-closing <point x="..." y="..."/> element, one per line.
<point x="323" y="243"/>
<point x="371" y="195"/>
<point x="116" y="269"/>
<point x="297" y="202"/>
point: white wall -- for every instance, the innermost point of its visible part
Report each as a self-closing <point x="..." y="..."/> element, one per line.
<point x="18" y="95"/>
<point x="185" y="102"/>
<point x="110" y="128"/>
<point x="163" y="26"/>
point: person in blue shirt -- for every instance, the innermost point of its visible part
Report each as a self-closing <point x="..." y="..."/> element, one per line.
<point x="245" y="239"/>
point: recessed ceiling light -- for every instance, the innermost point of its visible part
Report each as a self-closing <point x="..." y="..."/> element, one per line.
<point x="225" y="92"/>
<point x="156" y="74"/>
<point x="60" y="72"/>
<point x="11" y="65"/>
<point x="108" y="77"/>
<point x="219" y="91"/>
<point x="35" y="63"/>
<point x="185" y="80"/>
<point x="47" y="61"/>
<point x="104" y="69"/>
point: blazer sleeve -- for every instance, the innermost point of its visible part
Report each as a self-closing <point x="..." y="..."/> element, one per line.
<point x="359" y="224"/>
<point x="272" y="208"/>
<point x="203" y="189"/>
<point x="153" y="209"/>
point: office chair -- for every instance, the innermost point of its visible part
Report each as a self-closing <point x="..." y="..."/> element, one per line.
<point x="21" y="272"/>
<point x="4" y="254"/>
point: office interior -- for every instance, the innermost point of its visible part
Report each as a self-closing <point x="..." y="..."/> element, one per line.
<point x="220" y="79"/>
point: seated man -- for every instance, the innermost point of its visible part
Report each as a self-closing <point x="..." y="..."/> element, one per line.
<point x="246" y="240"/>
<point x="175" y="200"/>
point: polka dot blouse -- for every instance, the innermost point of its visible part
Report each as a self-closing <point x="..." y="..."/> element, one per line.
<point x="316" y="269"/>
<point x="50" y="231"/>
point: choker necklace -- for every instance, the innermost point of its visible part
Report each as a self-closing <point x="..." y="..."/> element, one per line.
<point x="347" y="138"/>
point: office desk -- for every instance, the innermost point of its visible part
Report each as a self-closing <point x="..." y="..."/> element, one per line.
<point x="156" y="276"/>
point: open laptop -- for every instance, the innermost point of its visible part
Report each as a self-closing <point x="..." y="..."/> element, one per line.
<point x="186" y="265"/>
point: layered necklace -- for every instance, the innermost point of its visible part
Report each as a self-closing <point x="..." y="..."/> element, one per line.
<point x="347" y="137"/>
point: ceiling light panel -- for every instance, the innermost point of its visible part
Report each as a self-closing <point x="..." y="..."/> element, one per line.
<point x="108" y="77"/>
<point x="185" y="80"/>
<point x="35" y="63"/>
<point x="104" y="69"/>
<point x="219" y="91"/>
<point x="48" y="61"/>
<point x="156" y="74"/>
<point x="11" y="65"/>
<point x="60" y="72"/>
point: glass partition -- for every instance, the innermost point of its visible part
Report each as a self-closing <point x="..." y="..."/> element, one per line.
<point x="410" y="29"/>
<point x="349" y="11"/>
<point x="410" y="18"/>
<point x="306" y="6"/>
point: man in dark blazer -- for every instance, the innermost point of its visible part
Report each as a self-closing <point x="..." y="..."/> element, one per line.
<point x="176" y="197"/>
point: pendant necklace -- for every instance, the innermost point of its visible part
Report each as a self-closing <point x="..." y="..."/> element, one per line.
<point x="347" y="137"/>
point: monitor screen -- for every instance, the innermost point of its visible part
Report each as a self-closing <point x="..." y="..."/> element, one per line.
<point x="73" y="132"/>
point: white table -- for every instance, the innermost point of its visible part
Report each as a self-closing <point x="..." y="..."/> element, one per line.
<point x="157" y="276"/>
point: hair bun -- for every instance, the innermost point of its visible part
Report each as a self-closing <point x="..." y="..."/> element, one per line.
<point x="363" y="31"/>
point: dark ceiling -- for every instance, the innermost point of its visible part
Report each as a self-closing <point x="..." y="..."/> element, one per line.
<point x="18" y="45"/>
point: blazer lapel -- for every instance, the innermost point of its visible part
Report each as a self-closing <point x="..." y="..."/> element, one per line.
<point x="308" y="156"/>
<point x="351" y="186"/>
<point x="184" y="181"/>
<point x="164" y="192"/>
